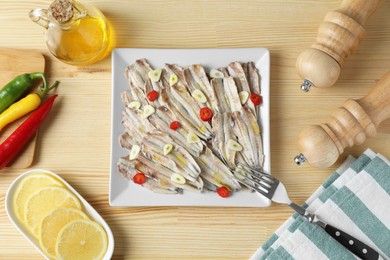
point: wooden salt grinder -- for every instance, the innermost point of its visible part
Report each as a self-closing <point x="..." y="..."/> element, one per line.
<point x="338" y="36"/>
<point x="351" y="124"/>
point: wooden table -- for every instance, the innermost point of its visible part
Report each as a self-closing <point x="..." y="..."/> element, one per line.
<point x="75" y="141"/>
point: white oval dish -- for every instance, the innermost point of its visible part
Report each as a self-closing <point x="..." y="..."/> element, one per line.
<point x="88" y="209"/>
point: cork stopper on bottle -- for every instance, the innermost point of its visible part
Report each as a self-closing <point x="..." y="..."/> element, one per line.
<point x="62" y="10"/>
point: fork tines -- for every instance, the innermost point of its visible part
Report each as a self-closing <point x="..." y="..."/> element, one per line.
<point x="256" y="180"/>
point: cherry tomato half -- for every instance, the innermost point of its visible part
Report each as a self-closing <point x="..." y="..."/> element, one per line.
<point x="206" y="114"/>
<point x="223" y="192"/>
<point x="175" y="125"/>
<point x="256" y="99"/>
<point x="152" y="95"/>
<point x="139" y="178"/>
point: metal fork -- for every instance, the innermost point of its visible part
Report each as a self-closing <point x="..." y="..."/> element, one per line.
<point x="271" y="188"/>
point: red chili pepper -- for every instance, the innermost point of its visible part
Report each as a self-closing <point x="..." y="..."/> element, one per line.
<point x="175" y="125"/>
<point x="152" y="95"/>
<point x="223" y="192"/>
<point x="256" y="99"/>
<point x="139" y="178"/>
<point x="20" y="137"/>
<point x="206" y="114"/>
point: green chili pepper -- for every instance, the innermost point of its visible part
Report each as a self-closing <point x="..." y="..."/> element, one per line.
<point x="17" y="87"/>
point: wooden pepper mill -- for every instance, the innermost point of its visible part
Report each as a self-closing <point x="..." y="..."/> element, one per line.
<point x="338" y="36"/>
<point x="351" y="124"/>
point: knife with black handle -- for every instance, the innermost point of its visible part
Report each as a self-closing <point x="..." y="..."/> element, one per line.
<point x="354" y="245"/>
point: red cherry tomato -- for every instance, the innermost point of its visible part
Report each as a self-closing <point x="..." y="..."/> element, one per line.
<point x="223" y="192"/>
<point x="206" y="114"/>
<point x="175" y="125"/>
<point x="152" y="95"/>
<point x="256" y="99"/>
<point x="139" y="178"/>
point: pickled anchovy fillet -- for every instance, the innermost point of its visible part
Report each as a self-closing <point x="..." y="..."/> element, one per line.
<point x="233" y="99"/>
<point x="253" y="134"/>
<point x="155" y="142"/>
<point x="237" y="72"/>
<point x="241" y="131"/>
<point x="135" y="124"/>
<point x="196" y="78"/>
<point x="160" y="184"/>
<point x="214" y="171"/>
<point x="200" y="128"/>
<point x="143" y="67"/>
<point x="254" y="81"/>
<point x="223" y="106"/>
<point x="222" y="130"/>
<point x="230" y="155"/>
<point x="173" y="69"/>
<point x="224" y="71"/>
<point x="218" y="142"/>
<point x="162" y="122"/>
<point x="181" y="94"/>
<point x="184" y="120"/>
<point x="159" y="169"/>
<point x="126" y="140"/>
<point x="254" y="78"/>
<point x="168" y="117"/>
<point x="135" y="78"/>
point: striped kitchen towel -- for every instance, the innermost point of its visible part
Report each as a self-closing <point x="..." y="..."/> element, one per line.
<point x="356" y="199"/>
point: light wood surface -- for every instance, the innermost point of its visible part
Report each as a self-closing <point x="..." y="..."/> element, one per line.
<point x="75" y="140"/>
<point x="13" y="63"/>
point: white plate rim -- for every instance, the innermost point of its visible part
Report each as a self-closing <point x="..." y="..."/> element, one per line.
<point x="91" y="212"/>
<point x="121" y="57"/>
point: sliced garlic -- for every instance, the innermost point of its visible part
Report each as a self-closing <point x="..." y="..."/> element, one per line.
<point x="134" y="152"/>
<point x="155" y="75"/>
<point x="239" y="173"/>
<point x="244" y="96"/>
<point x="134" y="105"/>
<point x="148" y="110"/>
<point x="216" y="74"/>
<point x="198" y="95"/>
<point x="192" y="138"/>
<point x="167" y="148"/>
<point x="177" y="178"/>
<point x="173" y="79"/>
<point x="233" y="145"/>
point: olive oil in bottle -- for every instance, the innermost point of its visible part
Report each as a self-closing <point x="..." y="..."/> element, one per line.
<point x="76" y="32"/>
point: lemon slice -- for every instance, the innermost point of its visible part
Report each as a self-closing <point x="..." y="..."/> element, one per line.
<point x="53" y="223"/>
<point x="29" y="185"/>
<point x="43" y="202"/>
<point x="81" y="239"/>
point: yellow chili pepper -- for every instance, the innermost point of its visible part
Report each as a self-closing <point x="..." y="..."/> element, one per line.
<point x="23" y="107"/>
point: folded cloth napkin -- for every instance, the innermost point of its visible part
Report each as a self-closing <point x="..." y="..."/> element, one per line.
<point x="356" y="199"/>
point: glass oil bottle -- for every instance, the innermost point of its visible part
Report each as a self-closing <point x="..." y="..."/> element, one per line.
<point x="77" y="33"/>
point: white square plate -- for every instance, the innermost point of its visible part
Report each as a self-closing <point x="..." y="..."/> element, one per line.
<point x="126" y="193"/>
